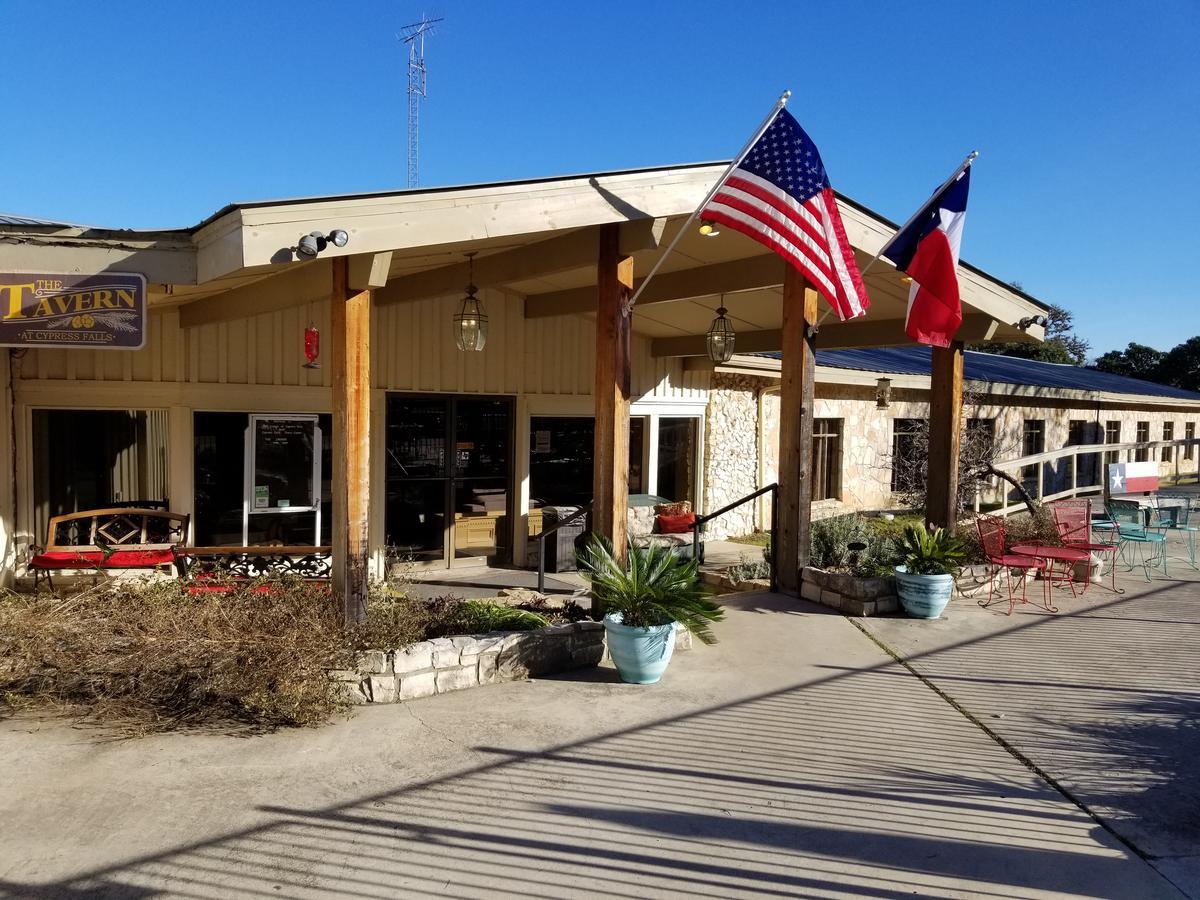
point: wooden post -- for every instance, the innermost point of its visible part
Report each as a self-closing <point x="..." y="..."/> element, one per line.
<point x="614" y="284"/>
<point x="945" y="431"/>
<point x="790" y="545"/>
<point x="350" y="316"/>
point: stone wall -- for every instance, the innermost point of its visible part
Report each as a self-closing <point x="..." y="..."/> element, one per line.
<point x="453" y="663"/>
<point x="742" y="452"/>
<point x="731" y="451"/>
<point x="848" y="594"/>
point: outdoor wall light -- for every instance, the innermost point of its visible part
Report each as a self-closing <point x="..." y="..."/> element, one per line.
<point x="471" y="322"/>
<point x="1031" y="320"/>
<point x="709" y="229"/>
<point x="314" y="242"/>
<point x="720" y="338"/>
<point x="883" y="392"/>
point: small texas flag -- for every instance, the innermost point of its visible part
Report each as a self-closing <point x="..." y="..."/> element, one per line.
<point x="1132" y="478"/>
<point x="927" y="250"/>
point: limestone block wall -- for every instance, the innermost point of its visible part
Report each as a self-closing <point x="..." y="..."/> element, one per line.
<point x="454" y="663"/>
<point x="731" y="460"/>
<point x="742" y="406"/>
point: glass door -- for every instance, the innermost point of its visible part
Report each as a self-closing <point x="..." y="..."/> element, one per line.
<point x="449" y="479"/>
<point x="282" y="500"/>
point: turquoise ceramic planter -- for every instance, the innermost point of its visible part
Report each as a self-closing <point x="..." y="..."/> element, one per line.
<point x="923" y="596"/>
<point x="640" y="654"/>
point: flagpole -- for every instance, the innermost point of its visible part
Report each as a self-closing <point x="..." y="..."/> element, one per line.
<point x="966" y="164"/>
<point x="766" y="123"/>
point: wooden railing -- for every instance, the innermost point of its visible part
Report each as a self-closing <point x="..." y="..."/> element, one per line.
<point x="1098" y="454"/>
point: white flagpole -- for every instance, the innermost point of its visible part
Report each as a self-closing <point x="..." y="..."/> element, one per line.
<point x="966" y="164"/>
<point x="766" y="123"/>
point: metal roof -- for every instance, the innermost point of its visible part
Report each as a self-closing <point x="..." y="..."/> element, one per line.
<point x="992" y="367"/>
<point x="11" y="219"/>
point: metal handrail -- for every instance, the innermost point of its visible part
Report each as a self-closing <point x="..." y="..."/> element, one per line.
<point x="701" y="521"/>
<point x="541" y="539"/>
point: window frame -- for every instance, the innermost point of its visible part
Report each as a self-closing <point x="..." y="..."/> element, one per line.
<point x="827" y="485"/>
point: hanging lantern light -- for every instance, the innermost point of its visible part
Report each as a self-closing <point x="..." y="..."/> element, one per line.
<point x="312" y="347"/>
<point x="471" y="323"/>
<point x="720" y="338"/>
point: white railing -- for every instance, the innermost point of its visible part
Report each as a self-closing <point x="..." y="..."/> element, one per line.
<point x="1035" y="484"/>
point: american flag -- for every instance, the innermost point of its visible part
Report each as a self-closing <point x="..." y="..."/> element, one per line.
<point x="780" y="195"/>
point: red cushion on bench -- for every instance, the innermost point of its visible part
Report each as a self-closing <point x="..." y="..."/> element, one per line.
<point x="86" y="559"/>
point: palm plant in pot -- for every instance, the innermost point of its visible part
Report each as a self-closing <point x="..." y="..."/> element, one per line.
<point x="929" y="562"/>
<point x="644" y="600"/>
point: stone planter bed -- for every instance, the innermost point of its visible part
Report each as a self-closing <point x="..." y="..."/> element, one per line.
<point x="447" y="664"/>
<point x="848" y="593"/>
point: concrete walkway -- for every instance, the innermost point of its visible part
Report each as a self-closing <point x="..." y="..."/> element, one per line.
<point x="795" y="758"/>
<point x="1104" y="697"/>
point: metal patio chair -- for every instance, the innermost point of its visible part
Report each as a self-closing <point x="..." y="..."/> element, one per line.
<point x="1073" y="519"/>
<point x="1135" y="538"/>
<point x="1180" y="519"/>
<point x="993" y="539"/>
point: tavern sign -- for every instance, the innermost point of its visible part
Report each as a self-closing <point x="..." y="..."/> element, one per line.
<point x="104" y="311"/>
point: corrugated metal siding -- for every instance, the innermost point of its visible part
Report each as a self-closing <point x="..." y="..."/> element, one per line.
<point x="413" y="350"/>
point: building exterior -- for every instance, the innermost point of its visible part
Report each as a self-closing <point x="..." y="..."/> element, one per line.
<point x="1027" y="406"/>
<point x="220" y="414"/>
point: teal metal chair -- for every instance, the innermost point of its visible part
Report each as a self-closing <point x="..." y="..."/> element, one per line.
<point x="1179" y="519"/>
<point x="1135" y="540"/>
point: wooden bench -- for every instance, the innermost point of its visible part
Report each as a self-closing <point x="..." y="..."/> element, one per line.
<point x="220" y="568"/>
<point x="113" y="538"/>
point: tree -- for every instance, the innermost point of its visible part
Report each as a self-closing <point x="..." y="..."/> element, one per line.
<point x="1181" y="366"/>
<point x="1135" y="361"/>
<point x="1061" y="345"/>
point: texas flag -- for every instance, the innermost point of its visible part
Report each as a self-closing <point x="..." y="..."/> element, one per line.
<point x="927" y="251"/>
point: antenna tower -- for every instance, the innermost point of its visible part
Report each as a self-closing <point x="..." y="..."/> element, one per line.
<point x="414" y="36"/>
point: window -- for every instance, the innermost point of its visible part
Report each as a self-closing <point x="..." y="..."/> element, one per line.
<point x="224" y="502"/>
<point x="1189" y="432"/>
<point x="981" y="435"/>
<point x="92" y="459"/>
<point x="1143" y="436"/>
<point x="1112" y="435"/>
<point x="1033" y="441"/>
<point x="1168" y="435"/>
<point x="677" y="442"/>
<point x="1081" y="432"/>
<point x="905" y="462"/>
<point x="827" y="459"/>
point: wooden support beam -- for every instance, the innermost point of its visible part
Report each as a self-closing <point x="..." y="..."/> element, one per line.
<point x="614" y="285"/>
<point x="350" y="320"/>
<point x="295" y="285"/>
<point x="753" y="273"/>
<point x="790" y="546"/>
<point x="369" y="270"/>
<point x="945" y="431"/>
<point x="576" y="250"/>
<point x="865" y="332"/>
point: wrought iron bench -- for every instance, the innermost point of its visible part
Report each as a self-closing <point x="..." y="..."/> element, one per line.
<point x="220" y="568"/>
<point x="112" y="538"/>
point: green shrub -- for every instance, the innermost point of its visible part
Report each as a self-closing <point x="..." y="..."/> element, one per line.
<point x="1018" y="529"/>
<point x="847" y="544"/>
<point x="923" y="552"/>
<point x="653" y="586"/>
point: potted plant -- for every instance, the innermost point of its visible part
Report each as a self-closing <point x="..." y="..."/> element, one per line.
<point x="929" y="562"/>
<point x="645" y="599"/>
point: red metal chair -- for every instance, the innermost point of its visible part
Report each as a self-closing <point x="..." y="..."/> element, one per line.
<point x="993" y="538"/>
<point x="1073" y="519"/>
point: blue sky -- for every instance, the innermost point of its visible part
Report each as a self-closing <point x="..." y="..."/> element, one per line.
<point x="1086" y="115"/>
